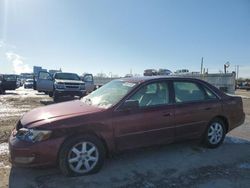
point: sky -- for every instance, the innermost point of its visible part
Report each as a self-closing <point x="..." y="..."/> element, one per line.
<point x="120" y="36"/>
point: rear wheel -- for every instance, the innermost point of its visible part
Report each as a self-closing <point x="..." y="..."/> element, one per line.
<point x="81" y="156"/>
<point x="215" y="133"/>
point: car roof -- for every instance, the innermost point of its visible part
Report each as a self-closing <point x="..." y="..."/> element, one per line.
<point x="65" y="73"/>
<point x="149" y="78"/>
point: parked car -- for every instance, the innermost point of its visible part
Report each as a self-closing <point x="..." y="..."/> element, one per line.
<point x="182" y="71"/>
<point x="28" y="83"/>
<point x="123" y="114"/>
<point x="60" y="84"/>
<point x="150" y="72"/>
<point x="7" y="82"/>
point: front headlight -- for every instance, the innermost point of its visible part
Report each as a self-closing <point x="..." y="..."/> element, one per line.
<point x="59" y="85"/>
<point x="82" y="86"/>
<point x="32" y="135"/>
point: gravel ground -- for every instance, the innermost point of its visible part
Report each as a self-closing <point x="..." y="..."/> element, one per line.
<point x="176" y="165"/>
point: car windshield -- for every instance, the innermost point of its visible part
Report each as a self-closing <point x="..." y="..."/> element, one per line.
<point x="109" y="94"/>
<point x="10" y="77"/>
<point x="67" y="76"/>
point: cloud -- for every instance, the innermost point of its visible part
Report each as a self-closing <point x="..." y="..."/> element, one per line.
<point x="2" y="44"/>
<point x="18" y="63"/>
<point x="6" y="46"/>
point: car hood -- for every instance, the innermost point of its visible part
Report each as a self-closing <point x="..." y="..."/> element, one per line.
<point x="69" y="81"/>
<point x="51" y="112"/>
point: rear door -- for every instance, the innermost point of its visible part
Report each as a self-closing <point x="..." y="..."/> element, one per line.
<point x="194" y="108"/>
<point x="44" y="82"/>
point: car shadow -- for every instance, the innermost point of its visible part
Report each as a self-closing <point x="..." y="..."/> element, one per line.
<point x="137" y="168"/>
<point x="10" y="93"/>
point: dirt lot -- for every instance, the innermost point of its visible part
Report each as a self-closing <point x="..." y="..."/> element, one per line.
<point x="176" y="165"/>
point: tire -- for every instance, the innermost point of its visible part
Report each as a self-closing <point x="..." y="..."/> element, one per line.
<point x="73" y="150"/>
<point x="215" y="133"/>
<point x="50" y="94"/>
<point x="55" y="97"/>
<point x="2" y="91"/>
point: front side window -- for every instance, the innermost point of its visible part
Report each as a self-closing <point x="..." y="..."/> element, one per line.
<point x="88" y="78"/>
<point x="152" y="94"/>
<point x="44" y="76"/>
<point x="187" y="92"/>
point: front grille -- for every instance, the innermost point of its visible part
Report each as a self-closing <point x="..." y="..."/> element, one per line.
<point x="19" y="125"/>
<point x="76" y="84"/>
<point x="72" y="87"/>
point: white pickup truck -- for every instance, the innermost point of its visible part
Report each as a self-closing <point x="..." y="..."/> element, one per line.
<point x="60" y="84"/>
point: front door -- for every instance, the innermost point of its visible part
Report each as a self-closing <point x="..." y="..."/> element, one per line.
<point x="44" y="82"/>
<point x="151" y="124"/>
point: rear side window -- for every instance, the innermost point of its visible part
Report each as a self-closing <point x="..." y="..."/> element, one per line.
<point x="209" y="93"/>
<point x="187" y="92"/>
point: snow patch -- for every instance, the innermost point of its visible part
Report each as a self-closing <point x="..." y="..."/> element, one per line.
<point x="236" y="140"/>
<point x="244" y="165"/>
<point x="4" y="148"/>
<point x="2" y="165"/>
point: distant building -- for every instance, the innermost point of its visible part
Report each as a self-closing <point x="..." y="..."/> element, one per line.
<point x="36" y="70"/>
<point x="54" y="71"/>
<point x="24" y="76"/>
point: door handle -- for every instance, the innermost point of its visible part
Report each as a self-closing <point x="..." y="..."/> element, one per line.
<point x="167" y="114"/>
<point x="208" y="108"/>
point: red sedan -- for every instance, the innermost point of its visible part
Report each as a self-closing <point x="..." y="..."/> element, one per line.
<point x="123" y="114"/>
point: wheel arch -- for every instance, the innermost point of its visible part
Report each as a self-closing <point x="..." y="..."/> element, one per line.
<point x="82" y="134"/>
<point x="225" y="121"/>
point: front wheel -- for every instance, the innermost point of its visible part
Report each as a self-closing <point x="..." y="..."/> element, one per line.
<point x="2" y="91"/>
<point x="50" y="94"/>
<point x="81" y="156"/>
<point x="55" y="97"/>
<point x="215" y="133"/>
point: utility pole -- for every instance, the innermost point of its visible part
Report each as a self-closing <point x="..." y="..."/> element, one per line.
<point x="237" y="73"/>
<point x="201" y="65"/>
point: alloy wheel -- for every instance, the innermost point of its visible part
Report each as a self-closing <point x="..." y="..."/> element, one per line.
<point x="83" y="157"/>
<point x="215" y="133"/>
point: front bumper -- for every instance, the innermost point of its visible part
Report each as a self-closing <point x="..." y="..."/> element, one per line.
<point x="62" y="92"/>
<point x="28" y="86"/>
<point x="28" y="154"/>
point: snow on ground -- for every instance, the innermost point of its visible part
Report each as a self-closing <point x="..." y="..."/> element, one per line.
<point x="235" y="140"/>
<point x="21" y="92"/>
<point x="4" y="148"/>
<point x="244" y="165"/>
<point x="16" y="103"/>
<point x="2" y="165"/>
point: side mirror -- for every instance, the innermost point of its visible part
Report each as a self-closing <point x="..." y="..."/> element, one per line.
<point x="130" y="105"/>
